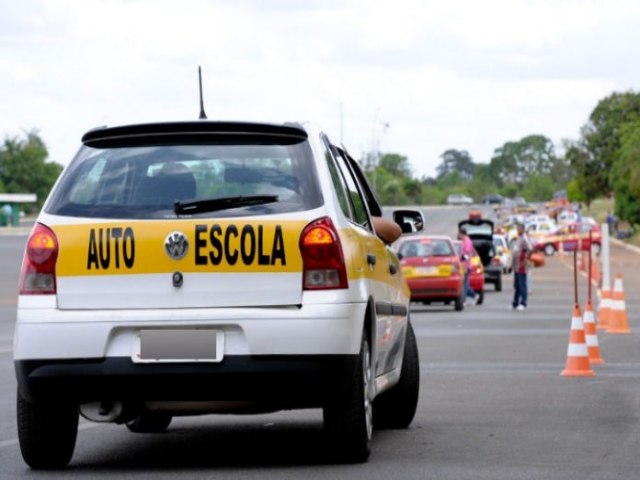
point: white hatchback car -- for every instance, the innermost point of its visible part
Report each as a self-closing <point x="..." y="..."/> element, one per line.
<point x="459" y="199"/>
<point x="205" y="267"/>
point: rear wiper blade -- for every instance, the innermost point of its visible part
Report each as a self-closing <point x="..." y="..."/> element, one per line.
<point x="221" y="203"/>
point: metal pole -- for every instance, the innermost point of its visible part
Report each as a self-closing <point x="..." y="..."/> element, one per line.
<point x="575" y="276"/>
<point x="605" y="256"/>
<point x="589" y="266"/>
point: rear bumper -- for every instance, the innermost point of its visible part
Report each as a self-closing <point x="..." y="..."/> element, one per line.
<point x="436" y="288"/>
<point x="492" y="274"/>
<point x="288" y="381"/>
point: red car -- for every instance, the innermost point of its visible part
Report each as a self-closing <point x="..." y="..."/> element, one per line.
<point x="432" y="269"/>
<point x="571" y="237"/>
<point x="476" y="275"/>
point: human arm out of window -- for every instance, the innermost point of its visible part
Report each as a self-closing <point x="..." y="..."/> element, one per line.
<point x="387" y="230"/>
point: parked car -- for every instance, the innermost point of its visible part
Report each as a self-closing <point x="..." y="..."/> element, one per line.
<point x="432" y="269"/>
<point x="459" y="199"/>
<point x="481" y="234"/>
<point x="503" y="251"/>
<point x="493" y="199"/>
<point x="476" y="272"/>
<point x="211" y="267"/>
<point x="571" y="237"/>
<point x="540" y="228"/>
<point x="567" y="217"/>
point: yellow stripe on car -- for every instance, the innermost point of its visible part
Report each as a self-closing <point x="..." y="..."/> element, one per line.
<point x="139" y="247"/>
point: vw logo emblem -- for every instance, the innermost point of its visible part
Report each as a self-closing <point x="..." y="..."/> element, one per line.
<point x="176" y="245"/>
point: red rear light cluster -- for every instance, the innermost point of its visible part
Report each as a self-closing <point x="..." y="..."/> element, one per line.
<point x="39" y="264"/>
<point x="322" y="258"/>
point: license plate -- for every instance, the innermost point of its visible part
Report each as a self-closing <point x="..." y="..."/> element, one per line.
<point x="179" y="345"/>
<point x="426" y="271"/>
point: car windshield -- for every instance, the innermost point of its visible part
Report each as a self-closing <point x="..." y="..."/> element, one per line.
<point x="482" y="228"/>
<point x="147" y="181"/>
<point x="426" y="248"/>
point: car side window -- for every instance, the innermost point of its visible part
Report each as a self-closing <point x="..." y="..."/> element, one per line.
<point x="358" y="204"/>
<point x="338" y="182"/>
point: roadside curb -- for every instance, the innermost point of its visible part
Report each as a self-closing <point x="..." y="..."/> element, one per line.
<point x="620" y="243"/>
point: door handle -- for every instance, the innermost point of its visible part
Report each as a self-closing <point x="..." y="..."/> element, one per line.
<point x="393" y="269"/>
<point x="371" y="259"/>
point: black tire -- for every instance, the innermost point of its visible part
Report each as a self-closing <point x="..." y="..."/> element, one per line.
<point x="348" y="415"/>
<point x="396" y="408"/>
<point x="549" y="250"/>
<point x="47" y="433"/>
<point x="498" y="285"/>
<point x="150" y="422"/>
<point x="480" y="297"/>
<point x="459" y="303"/>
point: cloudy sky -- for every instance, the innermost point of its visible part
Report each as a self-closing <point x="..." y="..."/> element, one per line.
<point x="416" y="77"/>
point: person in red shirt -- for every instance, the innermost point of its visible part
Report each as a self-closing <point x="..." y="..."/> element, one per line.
<point x="522" y="250"/>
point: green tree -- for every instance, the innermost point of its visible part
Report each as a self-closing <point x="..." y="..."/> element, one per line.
<point x="395" y="164"/>
<point x="538" y="188"/>
<point x="601" y="140"/>
<point x="515" y="162"/>
<point x="24" y="167"/>
<point x="625" y="173"/>
<point x="456" y="161"/>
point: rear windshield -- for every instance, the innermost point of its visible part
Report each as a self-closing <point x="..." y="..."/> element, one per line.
<point x="146" y="181"/>
<point x="481" y="228"/>
<point x="426" y="248"/>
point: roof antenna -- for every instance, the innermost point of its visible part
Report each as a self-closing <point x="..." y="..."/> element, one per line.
<point x="203" y="115"/>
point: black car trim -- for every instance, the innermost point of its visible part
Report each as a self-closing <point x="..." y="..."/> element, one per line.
<point x="284" y="380"/>
<point x="202" y="131"/>
<point x="395" y="309"/>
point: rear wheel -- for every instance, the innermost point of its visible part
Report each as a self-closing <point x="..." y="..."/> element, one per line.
<point x="47" y="433"/>
<point x="348" y="415"/>
<point x="459" y="303"/>
<point x="150" y="422"/>
<point x="499" y="284"/>
<point x="396" y="408"/>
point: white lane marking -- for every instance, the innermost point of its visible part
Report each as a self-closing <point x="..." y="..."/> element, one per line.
<point x="14" y="441"/>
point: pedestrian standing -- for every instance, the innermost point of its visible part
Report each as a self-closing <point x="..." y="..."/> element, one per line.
<point x="466" y="252"/>
<point x="522" y="250"/>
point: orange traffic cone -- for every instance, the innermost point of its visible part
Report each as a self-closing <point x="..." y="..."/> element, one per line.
<point x="578" y="364"/>
<point x="590" y="334"/>
<point x="619" y="322"/>
<point x="604" y="308"/>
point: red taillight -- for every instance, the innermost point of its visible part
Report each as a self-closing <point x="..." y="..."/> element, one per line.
<point x="39" y="264"/>
<point x="322" y="258"/>
<point x="496" y="260"/>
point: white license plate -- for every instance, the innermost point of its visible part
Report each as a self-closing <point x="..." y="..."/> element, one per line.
<point x="426" y="270"/>
<point x="179" y="345"/>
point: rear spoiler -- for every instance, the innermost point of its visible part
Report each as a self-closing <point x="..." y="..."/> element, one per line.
<point x="199" y="132"/>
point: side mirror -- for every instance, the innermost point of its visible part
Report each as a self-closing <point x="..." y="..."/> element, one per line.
<point x="411" y="221"/>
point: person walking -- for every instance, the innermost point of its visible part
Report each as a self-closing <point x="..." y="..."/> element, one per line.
<point x="466" y="252"/>
<point x="522" y="250"/>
